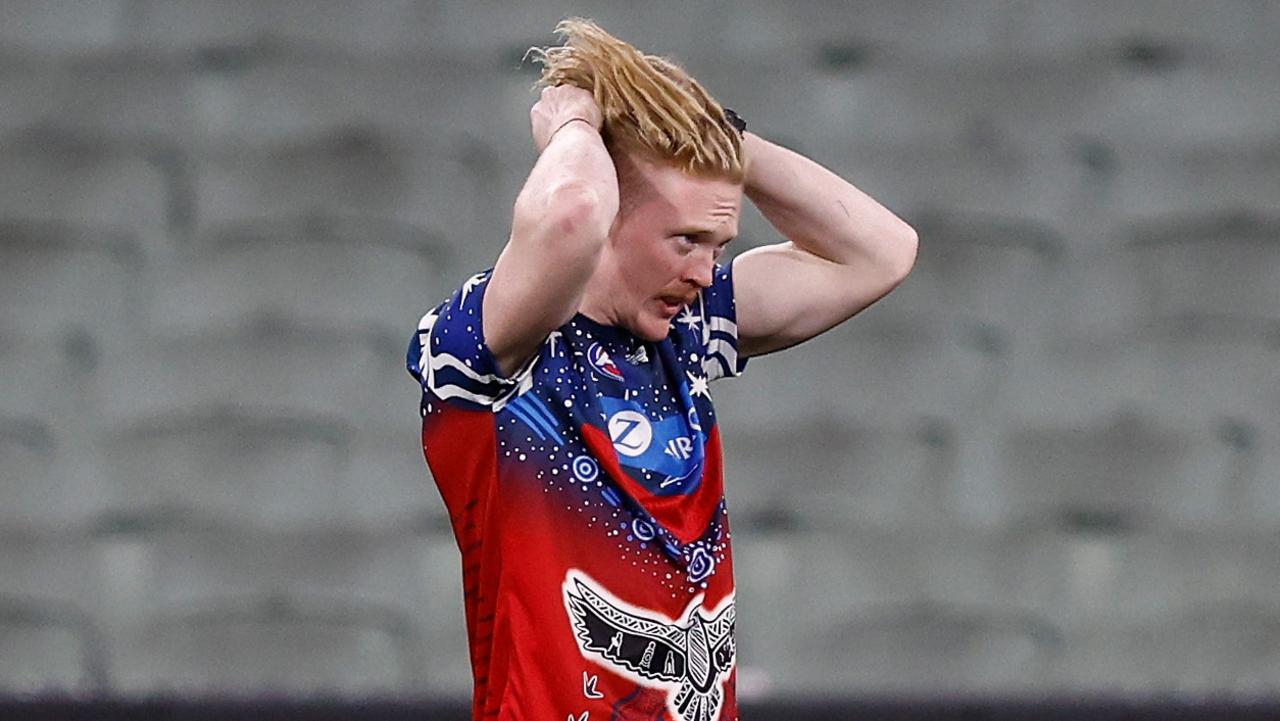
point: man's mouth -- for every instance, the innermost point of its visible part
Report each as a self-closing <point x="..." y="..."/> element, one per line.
<point x="672" y="304"/>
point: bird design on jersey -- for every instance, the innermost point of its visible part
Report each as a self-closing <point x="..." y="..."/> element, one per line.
<point x="693" y="656"/>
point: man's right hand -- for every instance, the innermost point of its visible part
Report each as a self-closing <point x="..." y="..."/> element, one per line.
<point x="560" y="105"/>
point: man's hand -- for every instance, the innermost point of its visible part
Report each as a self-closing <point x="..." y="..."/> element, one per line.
<point x="560" y="105"/>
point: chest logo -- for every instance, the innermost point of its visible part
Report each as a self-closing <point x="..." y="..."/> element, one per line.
<point x="691" y="657"/>
<point x="600" y="360"/>
<point x="630" y="432"/>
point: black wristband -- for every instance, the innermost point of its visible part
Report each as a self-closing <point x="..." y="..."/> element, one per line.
<point x="736" y="121"/>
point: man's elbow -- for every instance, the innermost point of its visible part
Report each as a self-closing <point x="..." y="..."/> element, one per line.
<point x="570" y="212"/>
<point x="906" y="247"/>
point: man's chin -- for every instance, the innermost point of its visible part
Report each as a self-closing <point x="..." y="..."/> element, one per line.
<point x="655" y="330"/>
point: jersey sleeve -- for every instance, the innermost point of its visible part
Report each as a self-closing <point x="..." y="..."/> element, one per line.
<point x="448" y="357"/>
<point x="720" y="334"/>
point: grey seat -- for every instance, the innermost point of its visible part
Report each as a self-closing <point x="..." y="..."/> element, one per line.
<point x="1219" y="648"/>
<point x="388" y="480"/>
<point x="1202" y="104"/>
<point x="388" y="603"/>
<point x="275" y="644"/>
<point x="263" y="93"/>
<point x="799" y="585"/>
<point x="79" y="181"/>
<point x="56" y="278"/>
<point x="1096" y="575"/>
<point x="1127" y="467"/>
<point x="49" y="407"/>
<point x="49" y="479"/>
<point x="311" y="270"/>
<point x="1058" y="29"/>
<point x="1182" y="369"/>
<point x="1215" y="266"/>
<point x="224" y="464"/>
<point x="393" y="192"/>
<point x="978" y="269"/>
<point x="30" y="77"/>
<point x="1203" y="386"/>
<point x="58" y="569"/>
<point x="271" y="365"/>
<point x="920" y="648"/>
<point x="892" y="373"/>
<point x="1156" y="184"/>
<point x="49" y="648"/>
<point x="829" y="471"/>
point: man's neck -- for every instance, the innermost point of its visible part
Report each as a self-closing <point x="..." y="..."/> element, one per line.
<point x="596" y="300"/>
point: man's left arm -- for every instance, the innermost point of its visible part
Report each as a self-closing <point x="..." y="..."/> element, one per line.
<point x="844" y="252"/>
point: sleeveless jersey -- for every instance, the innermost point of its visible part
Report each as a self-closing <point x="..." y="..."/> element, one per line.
<point x="586" y="496"/>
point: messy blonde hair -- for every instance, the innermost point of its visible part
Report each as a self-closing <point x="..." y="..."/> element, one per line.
<point x="651" y="106"/>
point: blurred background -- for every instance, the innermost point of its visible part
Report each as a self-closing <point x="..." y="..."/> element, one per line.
<point x="1048" y="466"/>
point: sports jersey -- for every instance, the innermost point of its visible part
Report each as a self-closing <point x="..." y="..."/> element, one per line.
<point x="586" y="495"/>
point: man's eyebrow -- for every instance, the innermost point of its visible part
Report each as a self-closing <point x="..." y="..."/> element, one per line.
<point x="704" y="234"/>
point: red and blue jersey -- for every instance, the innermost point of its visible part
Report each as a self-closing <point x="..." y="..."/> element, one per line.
<point x="586" y="495"/>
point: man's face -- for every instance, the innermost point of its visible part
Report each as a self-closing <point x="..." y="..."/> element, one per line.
<point x="665" y="242"/>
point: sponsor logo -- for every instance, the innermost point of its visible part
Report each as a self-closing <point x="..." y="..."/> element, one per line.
<point x="630" y="432"/>
<point x="680" y="447"/>
<point x="599" y="359"/>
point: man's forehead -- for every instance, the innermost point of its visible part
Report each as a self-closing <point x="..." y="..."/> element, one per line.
<point x="711" y="208"/>
<point x="721" y="216"/>
<point x="699" y="194"/>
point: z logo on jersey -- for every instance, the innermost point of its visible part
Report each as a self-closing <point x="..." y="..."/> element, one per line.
<point x="692" y="657"/>
<point x="630" y="432"/>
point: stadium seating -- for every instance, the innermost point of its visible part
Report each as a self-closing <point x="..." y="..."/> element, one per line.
<point x="263" y="363"/>
<point x="242" y="646"/>
<point x="81" y="191"/>
<point x="1047" y="462"/>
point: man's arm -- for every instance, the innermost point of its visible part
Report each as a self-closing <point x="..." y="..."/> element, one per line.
<point x="845" y="251"/>
<point x="561" y="219"/>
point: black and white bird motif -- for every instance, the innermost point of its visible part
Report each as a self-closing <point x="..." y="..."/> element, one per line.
<point x="692" y="656"/>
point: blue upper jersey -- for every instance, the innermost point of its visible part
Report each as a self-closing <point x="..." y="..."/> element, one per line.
<point x="650" y="400"/>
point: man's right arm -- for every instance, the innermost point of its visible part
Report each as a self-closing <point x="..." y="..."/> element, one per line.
<point x="561" y="220"/>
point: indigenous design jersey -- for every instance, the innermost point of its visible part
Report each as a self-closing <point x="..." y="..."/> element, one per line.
<point x="586" y="495"/>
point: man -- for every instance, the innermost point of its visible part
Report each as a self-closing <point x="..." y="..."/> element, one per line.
<point x="566" y="414"/>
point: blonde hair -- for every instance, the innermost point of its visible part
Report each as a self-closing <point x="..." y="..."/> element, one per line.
<point x="651" y="106"/>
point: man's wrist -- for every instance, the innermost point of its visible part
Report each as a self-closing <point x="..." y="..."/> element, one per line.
<point x="567" y="122"/>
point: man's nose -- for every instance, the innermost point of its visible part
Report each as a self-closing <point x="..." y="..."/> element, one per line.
<point x="700" y="269"/>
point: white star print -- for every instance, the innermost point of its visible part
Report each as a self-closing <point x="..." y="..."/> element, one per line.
<point x="699" y="385"/>
<point x="688" y="318"/>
